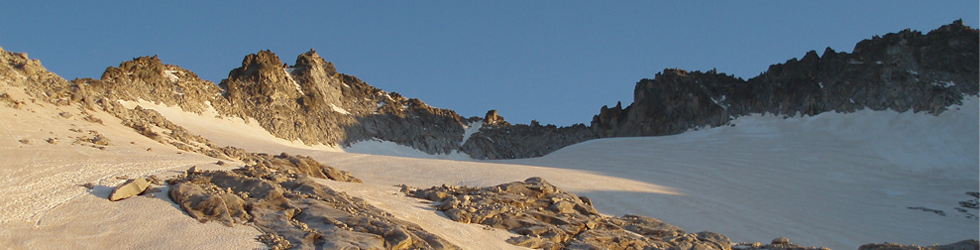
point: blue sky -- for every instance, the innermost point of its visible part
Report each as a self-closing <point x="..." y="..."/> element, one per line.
<point x="557" y="62"/>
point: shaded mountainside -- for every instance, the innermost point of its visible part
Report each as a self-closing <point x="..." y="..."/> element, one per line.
<point x="310" y="101"/>
<point x="902" y="72"/>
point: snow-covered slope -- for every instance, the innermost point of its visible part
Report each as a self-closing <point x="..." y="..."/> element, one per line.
<point x="836" y="180"/>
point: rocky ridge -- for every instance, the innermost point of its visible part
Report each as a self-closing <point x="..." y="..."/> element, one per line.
<point x="905" y="71"/>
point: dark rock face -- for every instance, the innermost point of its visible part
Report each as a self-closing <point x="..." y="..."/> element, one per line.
<point x="903" y="71"/>
<point x="522" y="141"/>
<point x="548" y="218"/>
<point x="962" y="245"/>
<point x="277" y="196"/>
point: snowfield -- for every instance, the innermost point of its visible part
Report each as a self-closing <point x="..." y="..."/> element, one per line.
<point x="835" y="180"/>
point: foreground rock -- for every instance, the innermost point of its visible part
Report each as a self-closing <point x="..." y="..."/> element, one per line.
<point x="130" y="188"/>
<point x="549" y="218"/>
<point x="281" y="199"/>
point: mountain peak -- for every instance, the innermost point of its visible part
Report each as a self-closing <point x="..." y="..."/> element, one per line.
<point x="312" y="60"/>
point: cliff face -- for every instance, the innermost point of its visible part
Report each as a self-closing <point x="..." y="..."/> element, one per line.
<point x="901" y="71"/>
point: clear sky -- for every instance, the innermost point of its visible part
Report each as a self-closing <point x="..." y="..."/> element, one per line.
<point x="554" y="61"/>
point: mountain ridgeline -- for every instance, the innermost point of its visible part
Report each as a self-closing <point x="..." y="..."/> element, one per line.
<point x="902" y="72"/>
<point x="311" y="102"/>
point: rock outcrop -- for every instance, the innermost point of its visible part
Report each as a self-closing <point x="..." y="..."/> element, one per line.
<point x="279" y="197"/>
<point x="546" y="217"/>
<point x="905" y="71"/>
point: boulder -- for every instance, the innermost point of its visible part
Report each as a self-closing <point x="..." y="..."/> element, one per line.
<point x="130" y="188"/>
<point x="780" y="241"/>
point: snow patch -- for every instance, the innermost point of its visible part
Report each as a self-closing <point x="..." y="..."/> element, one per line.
<point x="290" y="76"/>
<point x="944" y="84"/>
<point x="469" y="130"/>
<point x="339" y="109"/>
<point x="171" y="74"/>
<point x="719" y="101"/>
